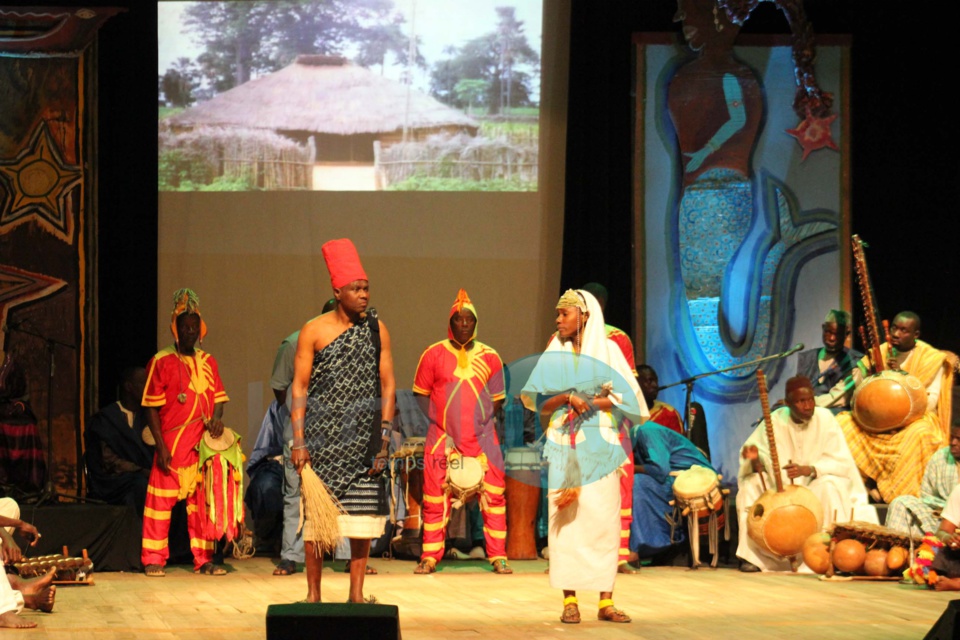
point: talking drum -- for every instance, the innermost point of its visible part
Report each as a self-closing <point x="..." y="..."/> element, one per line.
<point x="464" y="478"/>
<point x="888" y="400"/>
<point x="523" y="470"/>
<point x="780" y="522"/>
<point x="697" y="491"/>
<point x="410" y="457"/>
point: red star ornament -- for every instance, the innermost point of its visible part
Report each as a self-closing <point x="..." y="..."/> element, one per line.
<point x="814" y="133"/>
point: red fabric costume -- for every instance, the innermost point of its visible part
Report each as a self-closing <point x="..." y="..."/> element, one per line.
<point x="623" y="341"/>
<point x="170" y="374"/>
<point x="463" y="385"/>
<point x="666" y="416"/>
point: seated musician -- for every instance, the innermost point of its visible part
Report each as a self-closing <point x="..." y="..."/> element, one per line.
<point x="658" y="452"/>
<point x="947" y="561"/>
<point x="660" y="412"/>
<point x="118" y="460"/>
<point x="830" y="366"/>
<point x="264" y="494"/>
<point x="895" y="460"/>
<point x="812" y="452"/>
<point x="918" y="516"/>
<point x="18" y="593"/>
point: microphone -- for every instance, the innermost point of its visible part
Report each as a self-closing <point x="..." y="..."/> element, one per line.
<point x="794" y="349"/>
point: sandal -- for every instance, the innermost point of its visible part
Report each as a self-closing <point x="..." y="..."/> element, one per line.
<point x="370" y="570"/>
<point x="210" y="569"/>
<point x="285" y="568"/>
<point x="154" y="571"/>
<point x="625" y="567"/>
<point x="367" y="600"/>
<point x="501" y="567"/>
<point x="611" y="614"/>
<point x="571" y="614"/>
<point x="426" y="566"/>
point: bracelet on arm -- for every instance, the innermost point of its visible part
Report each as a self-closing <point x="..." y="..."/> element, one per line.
<point x="298" y="441"/>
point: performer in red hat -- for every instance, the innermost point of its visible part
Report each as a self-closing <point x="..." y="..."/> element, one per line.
<point x="343" y="401"/>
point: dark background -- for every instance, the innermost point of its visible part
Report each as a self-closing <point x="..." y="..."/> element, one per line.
<point x="904" y="159"/>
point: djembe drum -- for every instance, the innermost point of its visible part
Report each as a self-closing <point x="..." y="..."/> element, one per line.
<point x="464" y="478"/>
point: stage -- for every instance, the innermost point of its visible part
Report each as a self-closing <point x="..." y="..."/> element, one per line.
<point x="465" y="600"/>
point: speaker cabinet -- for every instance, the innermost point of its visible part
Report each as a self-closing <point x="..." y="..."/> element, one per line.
<point x="353" y="621"/>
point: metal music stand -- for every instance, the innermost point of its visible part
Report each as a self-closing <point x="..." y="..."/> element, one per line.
<point x="689" y="382"/>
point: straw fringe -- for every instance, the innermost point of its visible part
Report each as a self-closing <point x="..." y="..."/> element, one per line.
<point x="322" y="509"/>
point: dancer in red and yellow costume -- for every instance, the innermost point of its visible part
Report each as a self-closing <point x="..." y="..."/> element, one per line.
<point x="184" y="397"/>
<point x="459" y="383"/>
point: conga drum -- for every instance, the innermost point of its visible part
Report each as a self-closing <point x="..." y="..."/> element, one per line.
<point x="522" y="494"/>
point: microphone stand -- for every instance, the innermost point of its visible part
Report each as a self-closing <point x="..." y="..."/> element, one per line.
<point x="50" y="493"/>
<point x="689" y="382"/>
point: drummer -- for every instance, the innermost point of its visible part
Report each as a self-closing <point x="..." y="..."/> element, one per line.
<point x="812" y="453"/>
<point x="659" y="452"/>
<point x="459" y="384"/>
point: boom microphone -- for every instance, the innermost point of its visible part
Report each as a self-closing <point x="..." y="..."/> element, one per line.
<point x="797" y="347"/>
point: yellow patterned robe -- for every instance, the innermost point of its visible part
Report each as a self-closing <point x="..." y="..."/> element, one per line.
<point x="896" y="460"/>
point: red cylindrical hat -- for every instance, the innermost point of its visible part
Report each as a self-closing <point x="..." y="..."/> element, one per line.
<point x="343" y="262"/>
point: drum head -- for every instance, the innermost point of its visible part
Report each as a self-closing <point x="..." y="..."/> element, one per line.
<point x="465" y="472"/>
<point x="695" y="482"/>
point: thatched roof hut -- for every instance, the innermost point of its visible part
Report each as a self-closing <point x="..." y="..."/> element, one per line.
<point x="345" y="106"/>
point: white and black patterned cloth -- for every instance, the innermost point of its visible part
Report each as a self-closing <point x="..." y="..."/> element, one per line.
<point x="343" y="413"/>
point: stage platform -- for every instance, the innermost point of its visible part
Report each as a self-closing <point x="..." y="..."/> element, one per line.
<point x="465" y="600"/>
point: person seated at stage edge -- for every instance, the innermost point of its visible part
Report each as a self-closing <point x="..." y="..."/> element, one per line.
<point x="17" y="593"/>
<point x="910" y="514"/>
<point x="809" y="438"/>
<point x="118" y="460"/>
<point x="830" y="366"/>
<point x="264" y="494"/>
<point x="658" y="454"/>
<point x="895" y="460"/>
<point x="947" y="561"/>
<point x="660" y="412"/>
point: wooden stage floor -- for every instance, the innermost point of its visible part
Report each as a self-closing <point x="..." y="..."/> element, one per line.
<point x="465" y="600"/>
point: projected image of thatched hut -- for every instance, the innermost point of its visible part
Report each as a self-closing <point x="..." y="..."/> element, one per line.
<point x="339" y="111"/>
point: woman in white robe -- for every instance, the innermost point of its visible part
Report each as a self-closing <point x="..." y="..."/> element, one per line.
<point x="583" y="383"/>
